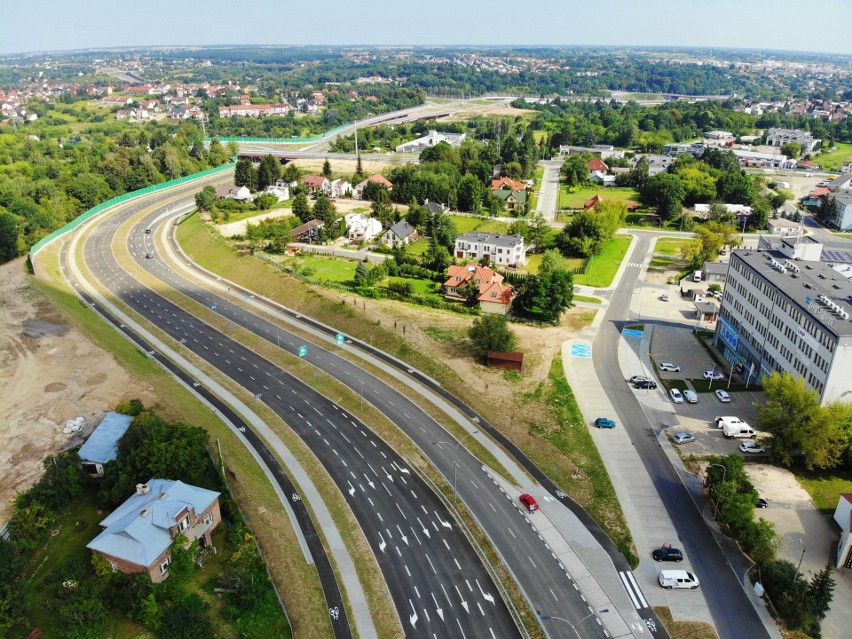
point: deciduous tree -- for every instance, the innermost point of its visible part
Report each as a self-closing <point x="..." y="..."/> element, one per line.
<point x="491" y="333"/>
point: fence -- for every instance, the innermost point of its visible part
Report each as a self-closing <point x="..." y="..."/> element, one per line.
<point x="73" y="224"/>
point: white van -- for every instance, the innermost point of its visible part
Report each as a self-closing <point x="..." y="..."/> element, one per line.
<point x="678" y="579"/>
<point x="696" y="277"/>
<point x="727" y="419"/>
<point x="738" y="430"/>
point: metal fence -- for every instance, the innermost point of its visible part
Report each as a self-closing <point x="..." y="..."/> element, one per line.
<point x="73" y="224"/>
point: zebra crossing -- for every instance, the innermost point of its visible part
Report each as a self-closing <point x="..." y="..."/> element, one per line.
<point x="633" y="590"/>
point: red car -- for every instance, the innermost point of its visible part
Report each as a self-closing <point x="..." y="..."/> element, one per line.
<point x="529" y="502"/>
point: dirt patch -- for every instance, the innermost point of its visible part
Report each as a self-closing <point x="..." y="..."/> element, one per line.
<point x="49" y="373"/>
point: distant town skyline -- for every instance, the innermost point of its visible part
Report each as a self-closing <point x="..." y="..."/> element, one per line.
<point x="56" y="25"/>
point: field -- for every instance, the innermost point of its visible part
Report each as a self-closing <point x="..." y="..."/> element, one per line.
<point x="574" y="199"/>
<point x="670" y="246"/>
<point x="328" y="269"/>
<point x="834" y="160"/>
<point x="824" y="487"/>
<point x="601" y="269"/>
<point x="465" y="224"/>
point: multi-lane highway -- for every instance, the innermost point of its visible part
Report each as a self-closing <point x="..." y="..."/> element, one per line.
<point x="541" y="577"/>
<point x="437" y="581"/>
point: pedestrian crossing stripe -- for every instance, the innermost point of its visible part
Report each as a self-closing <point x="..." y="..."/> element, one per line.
<point x="637" y="598"/>
<point x="581" y="350"/>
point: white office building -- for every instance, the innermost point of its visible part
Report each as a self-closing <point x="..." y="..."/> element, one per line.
<point x="787" y="308"/>
<point x="427" y="141"/>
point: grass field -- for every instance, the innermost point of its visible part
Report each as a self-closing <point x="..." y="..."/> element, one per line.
<point x="670" y="245"/>
<point x="465" y="224"/>
<point x="601" y="269"/>
<point x="421" y="287"/>
<point x="575" y="199"/>
<point x="418" y="248"/>
<point x="834" y="160"/>
<point x="824" y="487"/>
<point x="329" y="269"/>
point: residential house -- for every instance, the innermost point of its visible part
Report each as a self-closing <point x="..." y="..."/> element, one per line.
<point x="513" y="200"/>
<point x="816" y="196"/>
<point x="503" y="250"/>
<point x="361" y="228"/>
<point x="605" y="151"/>
<point x="493" y="295"/>
<point x="714" y="272"/>
<point x="102" y="445"/>
<point x="281" y="193"/>
<point x="783" y="226"/>
<point x="399" y="234"/>
<point x="338" y="188"/>
<point x="435" y="207"/>
<point x="308" y="232"/>
<point x="602" y="178"/>
<point x="507" y="183"/>
<point x="596" y="164"/>
<point x="807" y="165"/>
<point x="376" y="178"/>
<point x="138" y="535"/>
<point x="231" y="192"/>
<point x="315" y="183"/>
<point x="846" y="168"/>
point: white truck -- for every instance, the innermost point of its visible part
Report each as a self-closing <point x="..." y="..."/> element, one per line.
<point x="734" y="427"/>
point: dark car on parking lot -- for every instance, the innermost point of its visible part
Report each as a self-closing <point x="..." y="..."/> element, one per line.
<point x="668" y="553"/>
<point x="645" y="383"/>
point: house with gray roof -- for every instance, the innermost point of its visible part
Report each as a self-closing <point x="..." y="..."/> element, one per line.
<point x="138" y="535"/>
<point x="399" y="234"/>
<point x="102" y="445"/>
<point x="494" y="248"/>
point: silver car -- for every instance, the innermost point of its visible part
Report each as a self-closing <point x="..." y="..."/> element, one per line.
<point x="668" y="366"/>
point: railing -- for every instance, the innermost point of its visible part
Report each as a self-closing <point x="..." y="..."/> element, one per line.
<point x="316" y="138"/>
<point x="73" y="224"/>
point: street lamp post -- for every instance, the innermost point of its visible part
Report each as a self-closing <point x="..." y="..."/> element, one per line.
<point x="455" y="452"/>
<point x="724" y="473"/>
<point x="802" y="556"/>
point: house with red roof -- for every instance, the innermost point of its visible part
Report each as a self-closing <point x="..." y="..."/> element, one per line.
<point x="315" y="183"/>
<point x="596" y="164"/>
<point x="493" y="295"/>
<point x="376" y="178"/>
<point x="507" y="184"/>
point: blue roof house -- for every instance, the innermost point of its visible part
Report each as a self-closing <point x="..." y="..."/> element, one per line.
<point x="102" y="445"/>
<point x="138" y="535"/>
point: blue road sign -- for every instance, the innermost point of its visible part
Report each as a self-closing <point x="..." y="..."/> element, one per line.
<point x="631" y="332"/>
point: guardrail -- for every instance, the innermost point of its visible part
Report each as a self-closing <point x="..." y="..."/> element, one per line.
<point x="77" y="221"/>
<point x="316" y="138"/>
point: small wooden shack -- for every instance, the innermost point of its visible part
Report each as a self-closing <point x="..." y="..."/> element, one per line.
<point x="506" y="361"/>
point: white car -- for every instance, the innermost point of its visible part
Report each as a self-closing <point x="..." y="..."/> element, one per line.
<point x="690" y="396"/>
<point x="752" y="447"/>
<point x="668" y="366"/>
<point x="714" y="375"/>
<point x="676" y="395"/>
<point x="723" y="396"/>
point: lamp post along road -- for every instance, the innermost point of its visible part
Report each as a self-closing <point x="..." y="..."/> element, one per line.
<point x="724" y="473"/>
<point x="455" y="453"/>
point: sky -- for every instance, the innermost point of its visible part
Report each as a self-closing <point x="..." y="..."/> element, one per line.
<point x="800" y="25"/>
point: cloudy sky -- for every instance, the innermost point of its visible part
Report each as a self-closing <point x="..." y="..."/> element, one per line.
<point x="47" y="25"/>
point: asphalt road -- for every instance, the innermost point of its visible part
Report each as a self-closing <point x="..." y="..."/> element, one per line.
<point x="548" y="196"/>
<point x="436" y="579"/>
<point x="732" y="612"/>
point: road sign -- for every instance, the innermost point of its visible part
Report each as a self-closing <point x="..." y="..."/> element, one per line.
<point x="340" y="337"/>
<point x="303" y="350"/>
<point x="631" y="332"/>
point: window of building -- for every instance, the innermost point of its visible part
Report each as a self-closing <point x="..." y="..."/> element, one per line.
<point x="208" y="519"/>
<point x="184" y="524"/>
<point x="164" y="567"/>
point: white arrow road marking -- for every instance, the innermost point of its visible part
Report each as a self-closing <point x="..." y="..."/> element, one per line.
<point x="485" y="595"/>
<point x="413" y="617"/>
<point x="437" y="607"/>
<point x="402" y="536"/>
<point x="445" y="524"/>
<point x="425" y="530"/>
<point x="463" y="602"/>
<point x="369" y="483"/>
<point x="351" y="488"/>
<point x="403" y="469"/>
<point x="382" y="543"/>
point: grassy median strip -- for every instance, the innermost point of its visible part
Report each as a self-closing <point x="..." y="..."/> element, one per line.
<point x="685" y="629"/>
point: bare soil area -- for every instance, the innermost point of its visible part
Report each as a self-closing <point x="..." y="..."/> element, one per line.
<point x="49" y="373"/>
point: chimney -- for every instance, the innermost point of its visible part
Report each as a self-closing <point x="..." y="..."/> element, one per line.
<point x="142" y="489"/>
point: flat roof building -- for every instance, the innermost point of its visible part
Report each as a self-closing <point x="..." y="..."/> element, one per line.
<point x="102" y="445"/>
<point x="786" y="307"/>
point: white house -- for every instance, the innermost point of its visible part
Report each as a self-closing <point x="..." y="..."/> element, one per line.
<point x="337" y="188"/>
<point x="843" y="517"/>
<point x="736" y="209"/>
<point x="502" y="250"/>
<point x="361" y="228"/>
<point x="280" y="192"/>
<point x="427" y="141"/>
<point x="600" y="177"/>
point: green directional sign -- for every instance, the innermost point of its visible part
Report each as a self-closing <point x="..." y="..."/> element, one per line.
<point x="303" y="350"/>
<point x="340" y="337"/>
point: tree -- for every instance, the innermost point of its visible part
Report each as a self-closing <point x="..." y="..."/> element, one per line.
<point x="791" y="150"/>
<point x="736" y="188"/>
<point x="205" y="199"/>
<point x="555" y="286"/>
<point x="244" y="173"/>
<point x="302" y="208"/>
<point x="821" y="592"/>
<point x="326" y="169"/>
<point x="268" y="172"/>
<point x="325" y="210"/>
<point x="513" y="170"/>
<point x="665" y="192"/>
<point x="441" y="230"/>
<point x="291" y="173"/>
<point x="359" y="174"/>
<point x="361" y="274"/>
<point x="538" y="232"/>
<point x="638" y="176"/>
<point x="575" y="169"/>
<point x="709" y="239"/>
<point x="470" y="194"/>
<point x="491" y="333"/>
<point x="789" y="415"/>
<point x="438" y="257"/>
<point x="381" y="207"/>
<point x="588" y="231"/>
<point x="10" y="229"/>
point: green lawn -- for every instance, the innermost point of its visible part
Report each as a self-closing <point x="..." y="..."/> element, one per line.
<point x="825" y="487"/>
<point x="834" y="160"/>
<point x="421" y="287"/>
<point x="534" y="261"/>
<point x="670" y="245"/>
<point x="575" y="199"/>
<point x="329" y="269"/>
<point x="418" y="248"/>
<point x="601" y="269"/>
